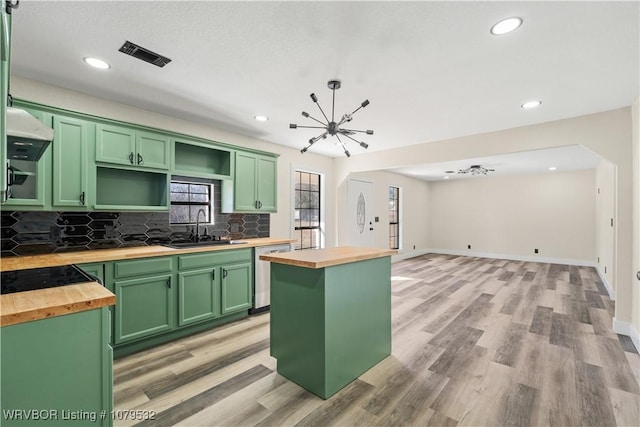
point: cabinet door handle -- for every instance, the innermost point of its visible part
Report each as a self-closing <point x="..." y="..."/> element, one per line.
<point x="131" y="157"/>
<point x="224" y="273"/>
<point x="213" y="275"/>
<point x="82" y="198"/>
<point x="139" y="159"/>
<point x="259" y="204"/>
<point x="169" y="283"/>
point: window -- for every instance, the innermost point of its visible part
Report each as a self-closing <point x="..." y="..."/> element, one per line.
<point x="307" y="210"/>
<point x="394" y="217"/>
<point x="187" y="199"/>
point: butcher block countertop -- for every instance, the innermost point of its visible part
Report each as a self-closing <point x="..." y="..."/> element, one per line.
<point x="103" y="255"/>
<point x="20" y="307"/>
<point x="321" y="258"/>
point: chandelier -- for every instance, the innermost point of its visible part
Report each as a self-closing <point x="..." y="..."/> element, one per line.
<point x="476" y="170"/>
<point x="331" y="127"/>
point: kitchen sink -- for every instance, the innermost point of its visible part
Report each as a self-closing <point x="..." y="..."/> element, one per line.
<point x="182" y="245"/>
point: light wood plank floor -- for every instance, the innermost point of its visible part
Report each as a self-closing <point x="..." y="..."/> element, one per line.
<point x="476" y="342"/>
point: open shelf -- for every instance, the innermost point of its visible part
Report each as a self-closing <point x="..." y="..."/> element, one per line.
<point x="201" y="161"/>
<point x="131" y="189"/>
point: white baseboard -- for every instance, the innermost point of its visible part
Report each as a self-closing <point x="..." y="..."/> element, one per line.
<point x="624" y="328"/>
<point x="605" y="282"/>
<point x="511" y="257"/>
<point x="409" y="254"/>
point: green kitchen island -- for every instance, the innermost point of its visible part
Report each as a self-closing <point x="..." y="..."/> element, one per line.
<point x="330" y="314"/>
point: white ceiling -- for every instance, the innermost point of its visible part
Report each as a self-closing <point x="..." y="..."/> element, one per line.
<point x="431" y="70"/>
<point x="563" y="159"/>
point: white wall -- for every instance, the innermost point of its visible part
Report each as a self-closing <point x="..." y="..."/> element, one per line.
<point x="281" y="223"/>
<point x="605" y="233"/>
<point x="414" y="205"/>
<point x="635" y="297"/>
<point x="608" y="134"/>
<point x="553" y="212"/>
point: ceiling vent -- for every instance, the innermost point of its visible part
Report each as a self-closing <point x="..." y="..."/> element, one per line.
<point x="143" y="54"/>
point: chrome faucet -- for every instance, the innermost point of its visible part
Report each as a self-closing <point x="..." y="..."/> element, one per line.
<point x="198" y="223"/>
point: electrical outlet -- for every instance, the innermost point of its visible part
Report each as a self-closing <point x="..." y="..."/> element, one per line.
<point x="414" y="246"/>
<point x="377" y="219"/>
<point x="535" y="251"/>
<point x="468" y="246"/>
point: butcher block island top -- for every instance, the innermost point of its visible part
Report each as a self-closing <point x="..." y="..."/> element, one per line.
<point x="321" y="258"/>
<point x="20" y="307"/>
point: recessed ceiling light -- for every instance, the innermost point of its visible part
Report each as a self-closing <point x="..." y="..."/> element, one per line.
<point x="531" y="104"/>
<point x="446" y="177"/>
<point x="552" y="168"/>
<point x="506" y="26"/>
<point x="97" y="63"/>
<point x="261" y="118"/>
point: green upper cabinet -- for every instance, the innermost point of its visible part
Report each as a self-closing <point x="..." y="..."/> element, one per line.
<point x="153" y="150"/>
<point x="125" y="146"/>
<point x="201" y="160"/>
<point x="70" y="161"/>
<point x="267" y="183"/>
<point x="28" y="178"/>
<point x="255" y="183"/>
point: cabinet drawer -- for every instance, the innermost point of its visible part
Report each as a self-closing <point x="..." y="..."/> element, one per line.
<point x="209" y="259"/>
<point x="143" y="267"/>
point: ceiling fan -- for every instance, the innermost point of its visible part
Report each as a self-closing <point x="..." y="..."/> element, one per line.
<point x="331" y="127"/>
<point x="476" y="170"/>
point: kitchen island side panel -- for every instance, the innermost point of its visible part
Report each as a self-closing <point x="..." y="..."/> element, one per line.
<point x="357" y="319"/>
<point x="57" y="371"/>
<point x="297" y="324"/>
<point x="329" y="325"/>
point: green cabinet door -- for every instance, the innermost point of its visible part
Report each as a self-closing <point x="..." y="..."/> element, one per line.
<point x="255" y="183"/>
<point x="267" y="184"/>
<point x="198" y="296"/>
<point x="58" y="370"/>
<point x="236" y="287"/>
<point x="70" y="159"/>
<point x="125" y="146"/>
<point x="152" y="150"/>
<point x="115" y="144"/>
<point x="144" y="307"/>
<point x="94" y="269"/>
<point x="245" y="182"/>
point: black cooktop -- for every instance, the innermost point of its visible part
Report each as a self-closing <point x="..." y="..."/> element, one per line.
<point x="40" y="278"/>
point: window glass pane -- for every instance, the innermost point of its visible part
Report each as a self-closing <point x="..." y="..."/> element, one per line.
<point x="179" y="197"/>
<point x="307" y="210"/>
<point x="179" y="214"/>
<point x="187" y="199"/>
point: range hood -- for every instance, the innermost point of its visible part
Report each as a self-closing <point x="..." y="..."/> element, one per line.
<point x="27" y="137"/>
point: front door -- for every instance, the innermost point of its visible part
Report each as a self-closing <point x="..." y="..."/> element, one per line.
<point x="360" y="213"/>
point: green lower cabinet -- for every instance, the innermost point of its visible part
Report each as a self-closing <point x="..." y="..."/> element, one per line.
<point x="236" y="287"/>
<point x="57" y="371"/>
<point x="198" y="296"/>
<point x="144" y="307"/>
<point x="96" y="269"/>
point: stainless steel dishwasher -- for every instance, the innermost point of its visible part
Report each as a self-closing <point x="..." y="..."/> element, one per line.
<point x="262" y="277"/>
